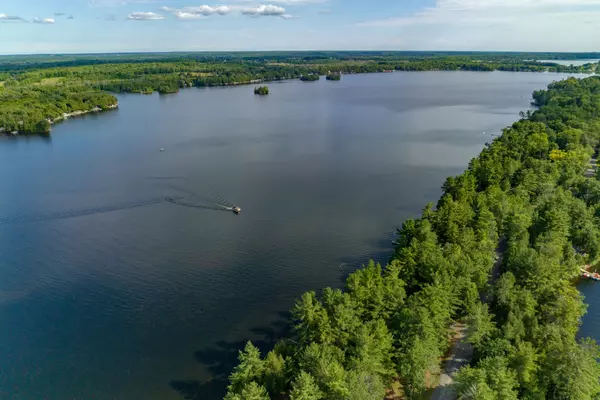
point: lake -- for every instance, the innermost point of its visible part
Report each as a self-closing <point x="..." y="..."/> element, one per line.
<point x="123" y="277"/>
<point x="575" y="63"/>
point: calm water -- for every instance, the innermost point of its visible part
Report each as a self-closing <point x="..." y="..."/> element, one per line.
<point x="572" y="62"/>
<point x="110" y="292"/>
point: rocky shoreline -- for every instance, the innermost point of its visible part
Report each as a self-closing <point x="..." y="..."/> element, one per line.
<point x="79" y="113"/>
<point x="63" y="117"/>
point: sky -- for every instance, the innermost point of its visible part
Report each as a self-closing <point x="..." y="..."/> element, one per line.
<point x="90" y="26"/>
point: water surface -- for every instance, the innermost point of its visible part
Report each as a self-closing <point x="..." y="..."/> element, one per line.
<point x="109" y="291"/>
<point x="575" y="63"/>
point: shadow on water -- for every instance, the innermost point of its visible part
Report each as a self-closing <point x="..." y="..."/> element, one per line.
<point x="26" y="138"/>
<point x="222" y="358"/>
<point x="383" y="250"/>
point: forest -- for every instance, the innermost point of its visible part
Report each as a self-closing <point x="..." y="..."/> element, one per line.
<point x="500" y="251"/>
<point x="36" y="91"/>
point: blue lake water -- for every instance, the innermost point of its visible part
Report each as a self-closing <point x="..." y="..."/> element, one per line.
<point x="109" y="290"/>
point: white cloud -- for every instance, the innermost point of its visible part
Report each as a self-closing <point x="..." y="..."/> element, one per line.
<point x="10" y="18"/>
<point x="208" y="10"/>
<point x="326" y="11"/>
<point x="48" y="21"/>
<point x="186" y="15"/>
<point x="197" y="12"/>
<point x="200" y="12"/>
<point x="264" y="10"/>
<point x="145" y="16"/>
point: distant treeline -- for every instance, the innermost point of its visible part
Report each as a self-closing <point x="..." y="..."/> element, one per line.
<point x="525" y="196"/>
<point x="20" y="62"/>
<point x="34" y="89"/>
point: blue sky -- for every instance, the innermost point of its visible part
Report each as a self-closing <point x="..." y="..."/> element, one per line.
<point x="72" y="26"/>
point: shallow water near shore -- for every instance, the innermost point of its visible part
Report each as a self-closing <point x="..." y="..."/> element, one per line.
<point x="125" y="277"/>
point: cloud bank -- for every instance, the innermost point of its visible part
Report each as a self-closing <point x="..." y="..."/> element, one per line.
<point x="200" y="12"/>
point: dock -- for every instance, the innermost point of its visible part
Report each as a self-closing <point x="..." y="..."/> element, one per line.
<point x="585" y="273"/>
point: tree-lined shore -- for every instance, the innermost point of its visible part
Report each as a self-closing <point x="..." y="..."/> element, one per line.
<point x="34" y="89"/>
<point x="387" y="331"/>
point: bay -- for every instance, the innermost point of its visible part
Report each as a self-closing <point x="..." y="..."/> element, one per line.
<point x="124" y="277"/>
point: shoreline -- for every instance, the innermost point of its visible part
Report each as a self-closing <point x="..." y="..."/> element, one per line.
<point x="63" y="117"/>
<point x="79" y="113"/>
<point x="97" y="109"/>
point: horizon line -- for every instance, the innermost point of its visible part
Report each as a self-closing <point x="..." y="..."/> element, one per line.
<point x="292" y="51"/>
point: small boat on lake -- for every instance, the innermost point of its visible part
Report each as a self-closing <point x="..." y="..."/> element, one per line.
<point x="236" y="209"/>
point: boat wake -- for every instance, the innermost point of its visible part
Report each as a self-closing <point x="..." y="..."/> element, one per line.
<point x="20" y="219"/>
<point x="208" y="198"/>
<point x="179" y="202"/>
<point x="184" y="197"/>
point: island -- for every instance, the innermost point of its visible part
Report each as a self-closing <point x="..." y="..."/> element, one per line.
<point x="261" y="90"/>
<point x="333" y="77"/>
<point x="485" y="277"/>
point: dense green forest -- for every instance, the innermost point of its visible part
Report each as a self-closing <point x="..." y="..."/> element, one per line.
<point x="310" y="77"/>
<point x="37" y="90"/>
<point x="525" y="198"/>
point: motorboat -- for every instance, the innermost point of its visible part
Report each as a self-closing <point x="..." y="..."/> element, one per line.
<point x="236" y="209"/>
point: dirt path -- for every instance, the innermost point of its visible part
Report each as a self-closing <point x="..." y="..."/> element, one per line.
<point x="461" y="352"/>
<point x="460" y="356"/>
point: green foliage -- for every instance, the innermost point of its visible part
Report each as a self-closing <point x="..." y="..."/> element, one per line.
<point x="305" y="387"/>
<point x="571" y="371"/>
<point x="492" y="379"/>
<point x="275" y="373"/>
<point x="525" y="195"/>
<point x="31" y="109"/>
<point x="42" y="127"/>
<point x="364" y="385"/>
<point x="333" y="77"/>
<point x="261" y="90"/>
<point x="249" y="370"/>
<point x="310" y="77"/>
<point x="481" y="326"/>
<point x="250" y="391"/>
